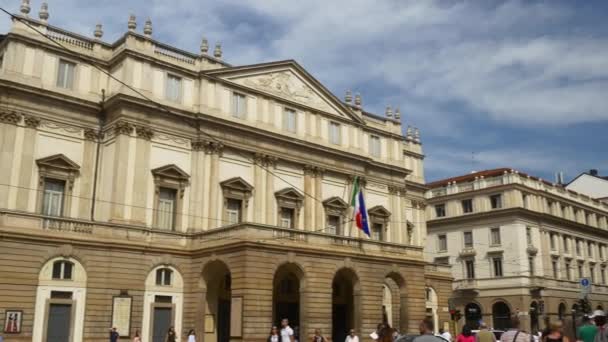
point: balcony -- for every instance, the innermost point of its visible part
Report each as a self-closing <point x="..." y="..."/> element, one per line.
<point x="467" y="252"/>
<point x="43" y="227"/>
<point x="465" y="285"/>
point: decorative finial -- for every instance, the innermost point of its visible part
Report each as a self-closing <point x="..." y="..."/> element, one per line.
<point x="204" y="46"/>
<point x="358" y="100"/>
<point x="132" y="23"/>
<point x="44" y="12"/>
<point x="25" y="7"/>
<point x="98" y="33"/>
<point x="217" y="52"/>
<point x="416" y="135"/>
<point x="389" y="112"/>
<point x="348" y="97"/>
<point x="409" y="133"/>
<point x="148" y="28"/>
<point x="397" y="114"/>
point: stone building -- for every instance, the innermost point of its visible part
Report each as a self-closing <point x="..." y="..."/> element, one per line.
<point x="144" y="187"/>
<point x="518" y="245"/>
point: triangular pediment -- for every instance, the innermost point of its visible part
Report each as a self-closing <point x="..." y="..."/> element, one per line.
<point x="58" y="161"/>
<point x="379" y="211"/>
<point x="237" y="183"/>
<point x="335" y="202"/>
<point x="289" y="193"/>
<point x="171" y="171"/>
<point x="289" y="81"/>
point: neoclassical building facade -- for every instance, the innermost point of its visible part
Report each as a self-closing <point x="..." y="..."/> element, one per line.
<point x="144" y="187"/>
<point x="518" y="245"/>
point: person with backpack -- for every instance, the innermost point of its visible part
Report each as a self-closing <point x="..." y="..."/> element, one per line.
<point x="515" y="334"/>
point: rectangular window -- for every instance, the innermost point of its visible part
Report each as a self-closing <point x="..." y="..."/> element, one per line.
<point x="467" y="206"/>
<point x="440" y="210"/>
<point x="442" y="260"/>
<point x="239" y="105"/>
<point x="233" y="210"/>
<point x="287" y="218"/>
<point x="65" y="74"/>
<point x="529" y="236"/>
<point x="333" y="225"/>
<point x="495" y="236"/>
<point x="377" y="232"/>
<point x="580" y="270"/>
<point x="163" y="276"/>
<point x="531" y="265"/>
<point x="289" y="120"/>
<point x="374" y="145"/>
<point x="53" y="197"/>
<point x="497" y="265"/>
<point x="334" y="133"/>
<point x="166" y="208"/>
<point x="568" y="270"/>
<point x="470" y="268"/>
<point x="173" y="88"/>
<point x="468" y="239"/>
<point x="496" y="201"/>
<point x="592" y="273"/>
<point x="443" y="242"/>
<point x="554" y="268"/>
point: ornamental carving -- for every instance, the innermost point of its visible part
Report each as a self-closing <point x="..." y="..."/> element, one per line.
<point x="265" y="160"/>
<point x="90" y="134"/>
<point x="144" y="132"/>
<point x="9" y="118"/>
<point x="397" y="190"/>
<point x="123" y="127"/>
<point x="31" y="121"/>
<point x="313" y="171"/>
<point x="209" y="147"/>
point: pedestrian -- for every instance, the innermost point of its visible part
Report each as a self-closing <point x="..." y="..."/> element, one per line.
<point x="286" y="331"/>
<point x="191" y="336"/>
<point x="136" y="338"/>
<point x="376" y="334"/>
<point x="466" y="335"/>
<point x="587" y="331"/>
<point x="599" y="317"/>
<point x="426" y="328"/>
<point x="274" y="335"/>
<point x="557" y="333"/>
<point x="171" y="335"/>
<point x="318" y="336"/>
<point x="445" y="334"/>
<point x="114" y="336"/>
<point x="514" y="334"/>
<point x="352" y="337"/>
<point x="387" y="334"/>
<point x="484" y="335"/>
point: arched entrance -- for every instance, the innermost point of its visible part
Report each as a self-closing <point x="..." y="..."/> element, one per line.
<point x="345" y="287"/>
<point x="534" y="313"/>
<point x="387" y="305"/>
<point x="394" y="300"/>
<point x="287" y="287"/>
<point x="432" y="306"/>
<point x="472" y="315"/>
<point x="217" y="301"/>
<point x="501" y="316"/>
<point x="561" y="311"/>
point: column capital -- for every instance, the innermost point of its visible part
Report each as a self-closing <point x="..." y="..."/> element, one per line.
<point x="265" y="159"/>
<point x="123" y="127"/>
<point x="31" y="121"/>
<point x="144" y="132"/>
<point x="313" y="171"/>
<point x="91" y="134"/>
<point x="10" y="117"/>
<point x="209" y="147"/>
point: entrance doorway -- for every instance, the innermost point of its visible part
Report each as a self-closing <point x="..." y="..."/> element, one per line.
<point x="218" y="298"/>
<point x="58" y="324"/>
<point x="286" y="293"/>
<point x="472" y="315"/>
<point x="343" y="304"/>
<point x="501" y="315"/>
<point x="534" y="313"/>
<point x="161" y="324"/>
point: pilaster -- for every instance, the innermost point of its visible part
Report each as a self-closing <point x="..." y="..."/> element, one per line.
<point x="27" y="162"/>
<point x="270" y="163"/>
<point x="142" y="175"/>
<point x="214" y="150"/>
<point x="198" y="187"/>
<point x="89" y="154"/>
<point x="122" y="131"/>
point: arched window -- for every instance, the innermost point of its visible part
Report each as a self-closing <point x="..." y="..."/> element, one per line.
<point x="62" y="270"/>
<point x="164" y="277"/>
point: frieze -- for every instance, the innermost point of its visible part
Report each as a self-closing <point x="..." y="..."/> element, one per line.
<point x="123" y="127"/>
<point x="31" y="121"/>
<point x="60" y="127"/>
<point x="10" y="118"/>
<point x="144" y="132"/>
<point x="171" y="138"/>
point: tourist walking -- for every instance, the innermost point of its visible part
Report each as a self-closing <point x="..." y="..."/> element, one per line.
<point x="376" y="334"/>
<point x="557" y="333"/>
<point x="387" y="334"/>
<point x="599" y="317"/>
<point x="466" y="335"/>
<point x="191" y="336"/>
<point x="171" y="335"/>
<point x="114" y="336"/>
<point x="426" y="328"/>
<point x="587" y="331"/>
<point x="352" y="337"/>
<point x="274" y="335"/>
<point x="318" y="336"/>
<point x="136" y="338"/>
<point x="445" y="334"/>
<point x="286" y="331"/>
<point x="485" y="335"/>
<point x="514" y="334"/>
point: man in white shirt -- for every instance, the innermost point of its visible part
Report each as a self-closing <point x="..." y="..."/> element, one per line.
<point x="352" y="337"/>
<point x="445" y="334"/>
<point x="286" y="331"/>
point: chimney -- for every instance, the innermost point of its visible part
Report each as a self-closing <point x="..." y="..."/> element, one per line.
<point x="593" y="172"/>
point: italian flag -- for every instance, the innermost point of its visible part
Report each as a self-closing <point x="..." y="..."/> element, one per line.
<point x="359" y="204"/>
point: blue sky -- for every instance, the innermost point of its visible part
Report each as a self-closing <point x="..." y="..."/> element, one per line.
<point x="520" y="84"/>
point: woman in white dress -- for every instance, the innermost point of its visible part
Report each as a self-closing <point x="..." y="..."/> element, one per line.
<point x="191" y="336"/>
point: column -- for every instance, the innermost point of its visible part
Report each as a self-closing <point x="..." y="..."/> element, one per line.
<point x="122" y="131"/>
<point x="142" y="171"/>
<point x="318" y="194"/>
<point x="8" y="135"/>
<point x="198" y="187"/>
<point x="214" y="150"/>
<point x="308" y="200"/>
<point x="259" y="212"/>
<point x="27" y="162"/>
<point x="395" y="226"/>
<point x="270" y="163"/>
<point x="87" y="172"/>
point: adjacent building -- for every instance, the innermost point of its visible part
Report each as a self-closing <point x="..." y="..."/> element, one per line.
<point x="517" y="245"/>
<point x="143" y="187"/>
<point x="591" y="184"/>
